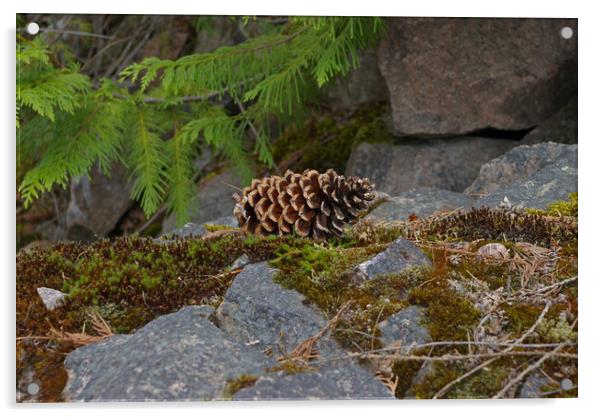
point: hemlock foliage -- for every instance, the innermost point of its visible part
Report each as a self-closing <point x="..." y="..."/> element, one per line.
<point x="154" y="116"/>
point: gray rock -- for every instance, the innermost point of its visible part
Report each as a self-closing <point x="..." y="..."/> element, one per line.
<point x="259" y="312"/>
<point x="449" y="164"/>
<point x="95" y="206"/>
<point x="240" y="262"/>
<point x="455" y="75"/>
<point x="180" y="356"/>
<point x="422" y="202"/>
<point x="342" y="383"/>
<point x="519" y="163"/>
<point x="561" y="127"/>
<point x="189" y="230"/>
<point x="51" y="298"/>
<point x="213" y="200"/>
<point x="532" y="386"/>
<point x="552" y="183"/>
<point x="223" y="221"/>
<point x="199" y="230"/>
<point x="405" y="328"/>
<point x="97" y="203"/>
<point x="256" y="309"/>
<point x="362" y="85"/>
<point x="398" y="257"/>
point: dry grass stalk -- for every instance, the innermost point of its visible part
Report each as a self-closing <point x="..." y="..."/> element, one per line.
<point x="99" y="325"/>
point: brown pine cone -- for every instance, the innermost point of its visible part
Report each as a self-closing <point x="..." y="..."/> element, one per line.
<point x="309" y="204"/>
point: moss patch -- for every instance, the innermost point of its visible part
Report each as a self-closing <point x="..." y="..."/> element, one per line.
<point x="484" y="384"/>
<point x="235" y="385"/>
<point x="502" y="225"/>
<point x="323" y="275"/>
<point x="326" y="141"/>
<point x="450" y="316"/>
<point x="561" y="208"/>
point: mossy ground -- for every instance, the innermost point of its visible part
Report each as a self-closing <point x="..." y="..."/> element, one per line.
<point x="130" y="281"/>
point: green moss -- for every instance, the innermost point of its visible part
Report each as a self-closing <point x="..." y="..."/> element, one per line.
<point x="450" y="315"/>
<point x="218" y="227"/>
<point x="326" y="141"/>
<point x="521" y="316"/>
<point x="556" y="330"/>
<point x="235" y="385"/>
<point x="319" y="272"/>
<point x="291" y="367"/>
<point x="560" y="208"/>
<point x="484" y="384"/>
<point x="438" y="375"/>
<point x="323" y="275"/>
<point x="406" y="371"/>
<point x="569" y="207"/>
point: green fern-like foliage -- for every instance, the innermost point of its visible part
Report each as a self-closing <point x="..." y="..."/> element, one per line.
<point x="43" y="87"/>
<point x="272" y="69"/>
<point x="66" y="126"/>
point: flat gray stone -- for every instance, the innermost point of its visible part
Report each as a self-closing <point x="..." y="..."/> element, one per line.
<point x="448" y="164"/>
<point x="398" y="257"/>
<point x="342" y="383"/>
<point x="405" y="328"/>
<point x="180" y="356"/>
<point x="256" y="309"/>
<point x="520" y="163"/>
<point x="422" y="202"/>
<point x="51" y="298"/>
<point x="552" y="183"/>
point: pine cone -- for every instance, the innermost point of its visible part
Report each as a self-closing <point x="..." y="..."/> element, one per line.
<point x="310" y="204"/>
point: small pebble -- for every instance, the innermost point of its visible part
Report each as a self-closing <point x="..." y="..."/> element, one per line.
<point x="566" y="384"/>
<point x="51" y="298"/>
<point x="493" y="250"/>
<point x="240" y="262"/>
<point x="33" y="389"/>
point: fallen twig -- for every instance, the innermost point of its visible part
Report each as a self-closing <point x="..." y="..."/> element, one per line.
<point x="477" y="368"/>
<point x="529" y="369"/>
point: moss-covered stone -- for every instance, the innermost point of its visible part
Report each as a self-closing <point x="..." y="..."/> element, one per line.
<point x="450" y="315"/>
<point x="561" y="208"/>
